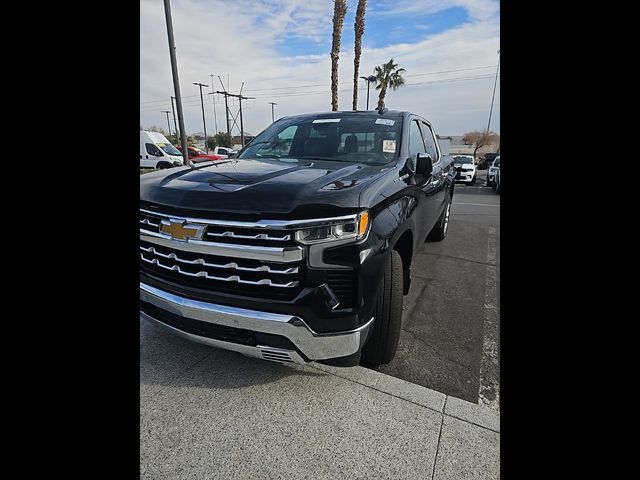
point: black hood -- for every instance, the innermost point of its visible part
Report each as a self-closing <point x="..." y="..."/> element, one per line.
<point x="262" y="187"/>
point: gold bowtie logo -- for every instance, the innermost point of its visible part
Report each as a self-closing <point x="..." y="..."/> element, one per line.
<point x="179" y="230"/>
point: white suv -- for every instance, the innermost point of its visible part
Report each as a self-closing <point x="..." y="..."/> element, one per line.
<point x="465" y="169"/>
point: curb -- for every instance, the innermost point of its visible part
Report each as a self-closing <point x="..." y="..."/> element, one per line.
<point x="479" y="415"/>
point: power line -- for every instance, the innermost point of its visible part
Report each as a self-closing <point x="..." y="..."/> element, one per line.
<point x="321" y="92"/>
<point x="341" y="83"/>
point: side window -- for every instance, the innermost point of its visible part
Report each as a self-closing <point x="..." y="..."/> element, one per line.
<point x="153" y="150"/>
<point x="430" y="142"/>
<point x="416" y="144"/>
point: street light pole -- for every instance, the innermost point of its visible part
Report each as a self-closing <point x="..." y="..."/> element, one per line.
<point x="204" y="122"/>
<point x="494" y="93"/>
<point x="168" y="124"/>
<point x="369" y="80"/>
<point x="176" y="81"/>
<point x="272" y="114"/>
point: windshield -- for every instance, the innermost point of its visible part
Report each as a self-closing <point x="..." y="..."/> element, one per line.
<point x="462" y="160"/>
<point x="357" y="138"/>
<point x="169" y="149"/>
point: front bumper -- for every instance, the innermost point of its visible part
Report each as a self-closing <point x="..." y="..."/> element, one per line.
<point x="305" y="344"/>
<point x="464" y="176"/>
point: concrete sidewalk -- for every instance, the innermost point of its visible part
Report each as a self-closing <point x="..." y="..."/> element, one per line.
<point x="208" y="413"/>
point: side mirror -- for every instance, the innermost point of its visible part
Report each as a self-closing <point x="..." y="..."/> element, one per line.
<point x="232" y="155"/>
<point x="424" y="164"/>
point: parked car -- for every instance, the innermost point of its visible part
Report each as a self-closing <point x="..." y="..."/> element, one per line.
<point x="497" y="177"/>
<point x="486" y="161"/>
<point x="224" y="152"/>
<point x="301" y="248"/>
<point x="196" y="153"/>
<point x="465" y="169"/>
<point x="491" y="175"/>
<point x="157" y="152"/>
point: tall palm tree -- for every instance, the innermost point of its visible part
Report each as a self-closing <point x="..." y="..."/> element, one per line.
<point x="359" y="30"/>
<point x="388" y="76"/>
<point x="339" y="11"/>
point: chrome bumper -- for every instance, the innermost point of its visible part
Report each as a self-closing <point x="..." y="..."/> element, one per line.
<point x="314" y="346"/>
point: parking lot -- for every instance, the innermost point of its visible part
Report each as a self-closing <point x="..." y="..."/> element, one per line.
<point x="449" y="340"/>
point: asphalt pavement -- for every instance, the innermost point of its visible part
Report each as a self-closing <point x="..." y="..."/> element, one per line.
<point x="450" y="329"/>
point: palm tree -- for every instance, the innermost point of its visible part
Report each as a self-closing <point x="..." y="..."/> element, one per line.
<point x="339" y="11"/>
<point x="359" y="30"/>
<point x="388" y="76"/>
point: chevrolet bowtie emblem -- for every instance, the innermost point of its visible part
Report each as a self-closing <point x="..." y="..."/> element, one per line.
<point x="180" y="230"/>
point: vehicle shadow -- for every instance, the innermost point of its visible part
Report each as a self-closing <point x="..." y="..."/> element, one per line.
<point x="169" y="360"/>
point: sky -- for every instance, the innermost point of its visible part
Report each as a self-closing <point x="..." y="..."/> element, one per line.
<point x="281" y="49"/>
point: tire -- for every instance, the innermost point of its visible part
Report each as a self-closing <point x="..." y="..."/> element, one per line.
<point x="439" y="230"/>
<point x="164" y="165"/>
<point x="383" y="339"/>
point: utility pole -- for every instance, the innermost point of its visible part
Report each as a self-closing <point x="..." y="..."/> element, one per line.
<point x="204" y="122"/>
<point x="241" y="124"/>
<point x="176" y="81"/>
<point x="240" y="98"/>
<point x="168" y="123"/>
<point x="272" y="116"/>
<point x="226" y="104"/>
<point x="174" y="118"/>
<point x="213" y="99"/>
<point x="494" y="93"/>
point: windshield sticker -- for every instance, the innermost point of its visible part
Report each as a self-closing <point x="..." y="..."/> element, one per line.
<point x="385" y="121"/>
<point x="389" y="146"/>
<point x="162" y="145"/>
<point x="326" y="120"/>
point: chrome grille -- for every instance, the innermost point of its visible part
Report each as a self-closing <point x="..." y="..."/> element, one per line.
<point x="170" y="261"/>
<point x="229" y="258"/>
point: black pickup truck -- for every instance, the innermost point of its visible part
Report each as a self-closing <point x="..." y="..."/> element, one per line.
<point x="299" y="248"/>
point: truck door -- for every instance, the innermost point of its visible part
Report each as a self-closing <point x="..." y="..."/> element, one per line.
<point x="440" y="167"/>
<point x="427" y="210"/>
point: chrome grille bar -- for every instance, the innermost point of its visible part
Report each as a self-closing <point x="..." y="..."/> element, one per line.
<point x="259" y="236"/>
<point x="232" y="278"/>
<point x="253" y="252"/>
<point x="146" y="221"/>
<point x="229" y="265"/>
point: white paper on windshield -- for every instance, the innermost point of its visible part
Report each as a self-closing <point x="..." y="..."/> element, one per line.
<point x="384" y="121"/>
<point x="326" y="120"/>
<point x="389" y="146"/>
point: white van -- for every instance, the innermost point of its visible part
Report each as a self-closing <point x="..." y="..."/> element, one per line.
<point x="157" y="152"/>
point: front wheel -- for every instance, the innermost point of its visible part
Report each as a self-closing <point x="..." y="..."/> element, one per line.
<point x="383" y="339"/>
<point x="439" y="230"/>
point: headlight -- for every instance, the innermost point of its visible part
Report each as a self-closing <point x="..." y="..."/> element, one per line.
<point x="355" y="228"/>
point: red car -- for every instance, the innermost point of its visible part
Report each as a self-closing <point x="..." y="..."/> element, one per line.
<point x="196" y="155"/>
